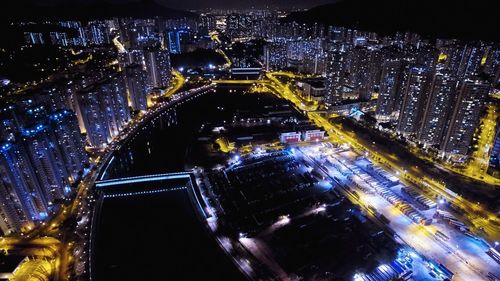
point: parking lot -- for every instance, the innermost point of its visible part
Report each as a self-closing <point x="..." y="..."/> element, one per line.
<point x="254" y="191"/>
<point x="289" y="216"/>
<point x="417" y="218"/>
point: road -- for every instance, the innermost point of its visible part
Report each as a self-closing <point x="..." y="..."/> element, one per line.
<point x="479" y="160"/>
<point x="214" y="35"/>
<point x="177" y="83"/>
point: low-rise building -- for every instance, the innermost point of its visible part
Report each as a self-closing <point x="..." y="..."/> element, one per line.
<point x="290" y="137"/>
<point x="312" y="89"/>
<point x="313" y="135"/>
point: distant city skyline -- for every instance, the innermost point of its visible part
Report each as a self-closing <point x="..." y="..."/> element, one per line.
<point x="201" y="4"/>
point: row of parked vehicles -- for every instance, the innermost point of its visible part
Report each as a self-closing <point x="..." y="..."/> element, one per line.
<point x="397" y="201"/>
<point x="452" y="220"/>
<point x="405" y="207"/>
<point x="425" y="202"/>
<point x="389" y="179"/>
<point x="370" y="185"/>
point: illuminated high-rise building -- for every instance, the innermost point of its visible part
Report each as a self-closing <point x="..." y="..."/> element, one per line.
<point x="158" y="69"/>
<point x="364" y="69"/>
<point x="131" y="57"/>
<point x="426" y="55"/>
<point x="470" y="60"/>
<point x="63" y="126"/>
<point x="41" y="156"/>
<point x="59" y="38"/>
<point x="19" y="176"/>
<point x="92" y="110"/>
<point x="104" y="110"/>
<point x="439" y="105"/>
<point x="81" y="37"/>
<point x="391" y="83"/>
<point x="306" y="55"/>
<point x="99" y="33"/>
<point x="466" y="116"/>
<point x="12" y="217"/>
<point x="463" y="60"/>
<point x="336" y="70"/>
<point x="47" y="162"/>
<point x="491" y="63"/>
<point x="34" y="38"/>
<point x="136" y="80"/>
<point x="174" y="39"/>
<point x="275" y="55"/>
<point x="207" y="23"/>
<point x="53" y="97"/>
<point x="415" y="93"/>
<point x="238" y="25"/>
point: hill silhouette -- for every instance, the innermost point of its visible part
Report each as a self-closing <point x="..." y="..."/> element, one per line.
<point x="473" y="20"/>
<point x="24" y="10"/>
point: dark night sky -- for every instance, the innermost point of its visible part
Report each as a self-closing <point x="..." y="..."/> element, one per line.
<point x="244" y="3"/>
<point x="197" y="4"/>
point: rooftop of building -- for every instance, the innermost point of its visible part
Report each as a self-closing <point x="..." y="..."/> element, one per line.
<point x="315" y="82"/>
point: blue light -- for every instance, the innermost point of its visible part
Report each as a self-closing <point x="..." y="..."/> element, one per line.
<point x="67" y="189"/>
<point x="33" y="131"/>
<point x="144" y="192"/>
<point x="5" y="82"/>
<point x="140" y="179"/>
<point x="59" y="115"/>
<point x="5" y="147"/>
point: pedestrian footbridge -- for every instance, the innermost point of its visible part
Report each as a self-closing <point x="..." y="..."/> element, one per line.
<point x="151" y="184"/>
